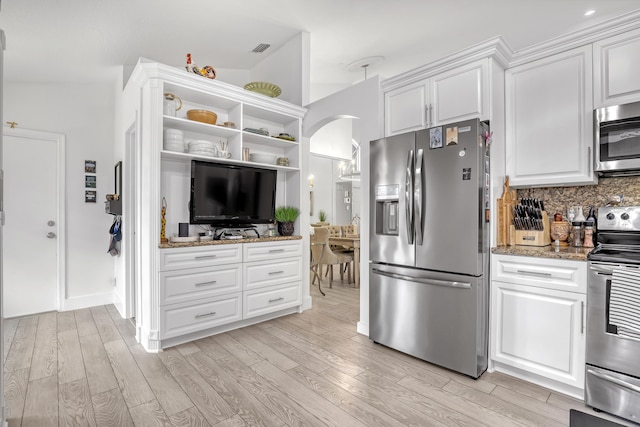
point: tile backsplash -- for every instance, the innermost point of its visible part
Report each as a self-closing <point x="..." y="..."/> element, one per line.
<point x="558" y="199"/>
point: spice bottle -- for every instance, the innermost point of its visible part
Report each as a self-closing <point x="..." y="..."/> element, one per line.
<point x="588" y="234"/>
<point x="576" y="231"/>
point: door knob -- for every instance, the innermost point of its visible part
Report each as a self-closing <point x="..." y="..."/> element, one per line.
<point x="51" y="235"/>
<point x="51" y="223"/>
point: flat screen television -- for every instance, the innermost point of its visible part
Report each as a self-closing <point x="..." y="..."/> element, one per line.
<point x="224" y="195"/>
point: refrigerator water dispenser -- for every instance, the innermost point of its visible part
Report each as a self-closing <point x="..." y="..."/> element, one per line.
<point x="387" y="209"/>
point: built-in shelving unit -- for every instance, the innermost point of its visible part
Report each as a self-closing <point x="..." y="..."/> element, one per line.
<point x="163" y="175"/>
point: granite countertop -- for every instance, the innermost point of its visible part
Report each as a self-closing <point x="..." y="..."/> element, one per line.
<point x="551" y="251"/>
<point x="228" y="242"/>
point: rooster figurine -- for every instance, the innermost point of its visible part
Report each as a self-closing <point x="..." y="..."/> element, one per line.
<point x="209" y="71"/>
<point x="193" y="68"/>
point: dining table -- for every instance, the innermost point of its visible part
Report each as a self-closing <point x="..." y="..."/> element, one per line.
<point x="351" y="242"/>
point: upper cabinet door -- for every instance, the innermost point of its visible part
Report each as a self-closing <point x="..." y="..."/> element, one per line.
<point x="615" y="69"/>
<point x="458" y="94"/>
<point x="405" y="108"/>
<point x="461" y="94"/>
<point x="549" y="121"/>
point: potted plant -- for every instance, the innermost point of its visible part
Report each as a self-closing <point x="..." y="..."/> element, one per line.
<point x="322" y="218"/>
<point x="285" y="217"/>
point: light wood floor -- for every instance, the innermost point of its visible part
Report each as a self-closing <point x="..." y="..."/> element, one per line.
<point x="311" y="369"/>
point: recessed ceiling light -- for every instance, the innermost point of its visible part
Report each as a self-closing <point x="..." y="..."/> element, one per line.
<point x="589" y="12"/>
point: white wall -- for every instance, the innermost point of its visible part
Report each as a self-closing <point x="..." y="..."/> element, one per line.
<point x="363" y="101"/>
<point x="333" y="139"/>
<point x="84" y="113"/>
<point x="325" y="171"/>
<point x="288" y="67"/>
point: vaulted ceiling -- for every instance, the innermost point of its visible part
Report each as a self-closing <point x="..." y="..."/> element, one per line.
<point x="85" y="40"/>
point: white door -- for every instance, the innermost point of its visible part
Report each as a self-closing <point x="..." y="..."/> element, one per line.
<point x="31" y="247"/>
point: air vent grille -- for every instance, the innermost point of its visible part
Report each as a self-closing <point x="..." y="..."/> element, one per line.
<point x="261" y="48"/>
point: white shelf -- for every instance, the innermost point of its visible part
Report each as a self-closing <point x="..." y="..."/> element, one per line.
<point x="199" y="127"/>
<point x="187" y="157"/>
<point x="255" y="138"/>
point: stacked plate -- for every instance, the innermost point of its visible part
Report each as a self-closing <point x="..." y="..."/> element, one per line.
<point x="202" y="147"/>
<point x="262" y="158"/>
<point x="173" y="140"/>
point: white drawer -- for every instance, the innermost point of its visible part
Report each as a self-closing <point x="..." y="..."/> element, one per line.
<point x="268" y="273"/>
<point x="267" y="300"/>
<point x="199" y="256"/>
<point x="559" y="274"/>
<point x="272" y="250"/>
<point x="198" y="283"/>
<point x="184" y="318"/>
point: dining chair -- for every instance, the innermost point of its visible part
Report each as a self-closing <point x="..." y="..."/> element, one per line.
<point x="331" y="258"/>
<point x="317" y="251"/>
<point x="348" y="230"/>
<point x="334" y="230"/>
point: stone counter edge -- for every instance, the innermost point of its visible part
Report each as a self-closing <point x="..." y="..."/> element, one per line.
<point x="563" y="252"/>
<point x="227" y="242"/>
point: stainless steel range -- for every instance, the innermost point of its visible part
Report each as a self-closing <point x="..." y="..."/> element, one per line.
<point x="613" y="315"/>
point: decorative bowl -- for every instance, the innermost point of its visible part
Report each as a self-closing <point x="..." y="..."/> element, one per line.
<point x="264" y="88"/>
<point x="204" y="116"/>
<point x="262" y="158"/>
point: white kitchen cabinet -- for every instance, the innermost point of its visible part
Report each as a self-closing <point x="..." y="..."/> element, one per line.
<point x="406" y="108"/>
<point x="461" y="93"/>
<point x="272" y="273"/>
<point x="549" y="121"/>
<point x="616" y="61"/>
<point x="173" y="286"/>
<point x="538" y="320"/>
<point x="450" y="96"/>
<point x="206" y="288"/>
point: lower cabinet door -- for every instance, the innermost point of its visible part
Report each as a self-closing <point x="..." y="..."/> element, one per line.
<point x="270" y="273"/>
<point x="541" y="331"/>
<point x="184" y="318"/>
<point x="267" y="300"/>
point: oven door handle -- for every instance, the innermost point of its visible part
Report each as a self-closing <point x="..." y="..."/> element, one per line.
<point x="614" y="380"/>
<point x="601" y="270"/>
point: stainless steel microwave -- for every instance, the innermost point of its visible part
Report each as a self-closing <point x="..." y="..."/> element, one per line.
<point x="617" y="140"/>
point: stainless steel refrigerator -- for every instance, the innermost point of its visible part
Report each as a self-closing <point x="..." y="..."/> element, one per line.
<point x="429" y="247"/>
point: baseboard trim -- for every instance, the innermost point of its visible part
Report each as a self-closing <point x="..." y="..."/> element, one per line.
<point x="86" y="301"/>
<point x="363" y="328"/>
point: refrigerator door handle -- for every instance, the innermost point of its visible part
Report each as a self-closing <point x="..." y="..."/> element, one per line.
<point x="418" y="197"/>
<point x="435" y="282"/>
<point x="408" y="196"/>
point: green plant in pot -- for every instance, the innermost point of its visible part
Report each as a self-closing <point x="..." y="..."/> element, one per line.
<point x="322" y="216"/>
<point x="285" y="217"/>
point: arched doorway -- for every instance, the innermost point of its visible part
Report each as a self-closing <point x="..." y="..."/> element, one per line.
<point x="362" y="104"/>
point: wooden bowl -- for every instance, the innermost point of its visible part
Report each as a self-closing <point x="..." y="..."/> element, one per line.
<point x="204" y="116"/>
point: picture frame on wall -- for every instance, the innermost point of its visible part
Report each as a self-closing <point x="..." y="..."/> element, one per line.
<point x="90" y="181"/>
<point x="90" y="166"/>
<point x="90" y="196"/>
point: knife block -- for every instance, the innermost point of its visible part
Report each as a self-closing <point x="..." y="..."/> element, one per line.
<point x="535" y="237"/>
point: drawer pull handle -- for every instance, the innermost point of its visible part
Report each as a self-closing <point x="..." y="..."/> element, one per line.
<point x="276" y="299"/>
<point x="206" y="256"/>
<point x="213" y="282"/>
<point x="276" y="272"/>
<point x="213" y="313"/>
<point x="535" y="273"/>
<point x="276" y="250"/>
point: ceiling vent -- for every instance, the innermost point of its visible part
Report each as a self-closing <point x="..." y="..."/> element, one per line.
<point x="261" y="48"/>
